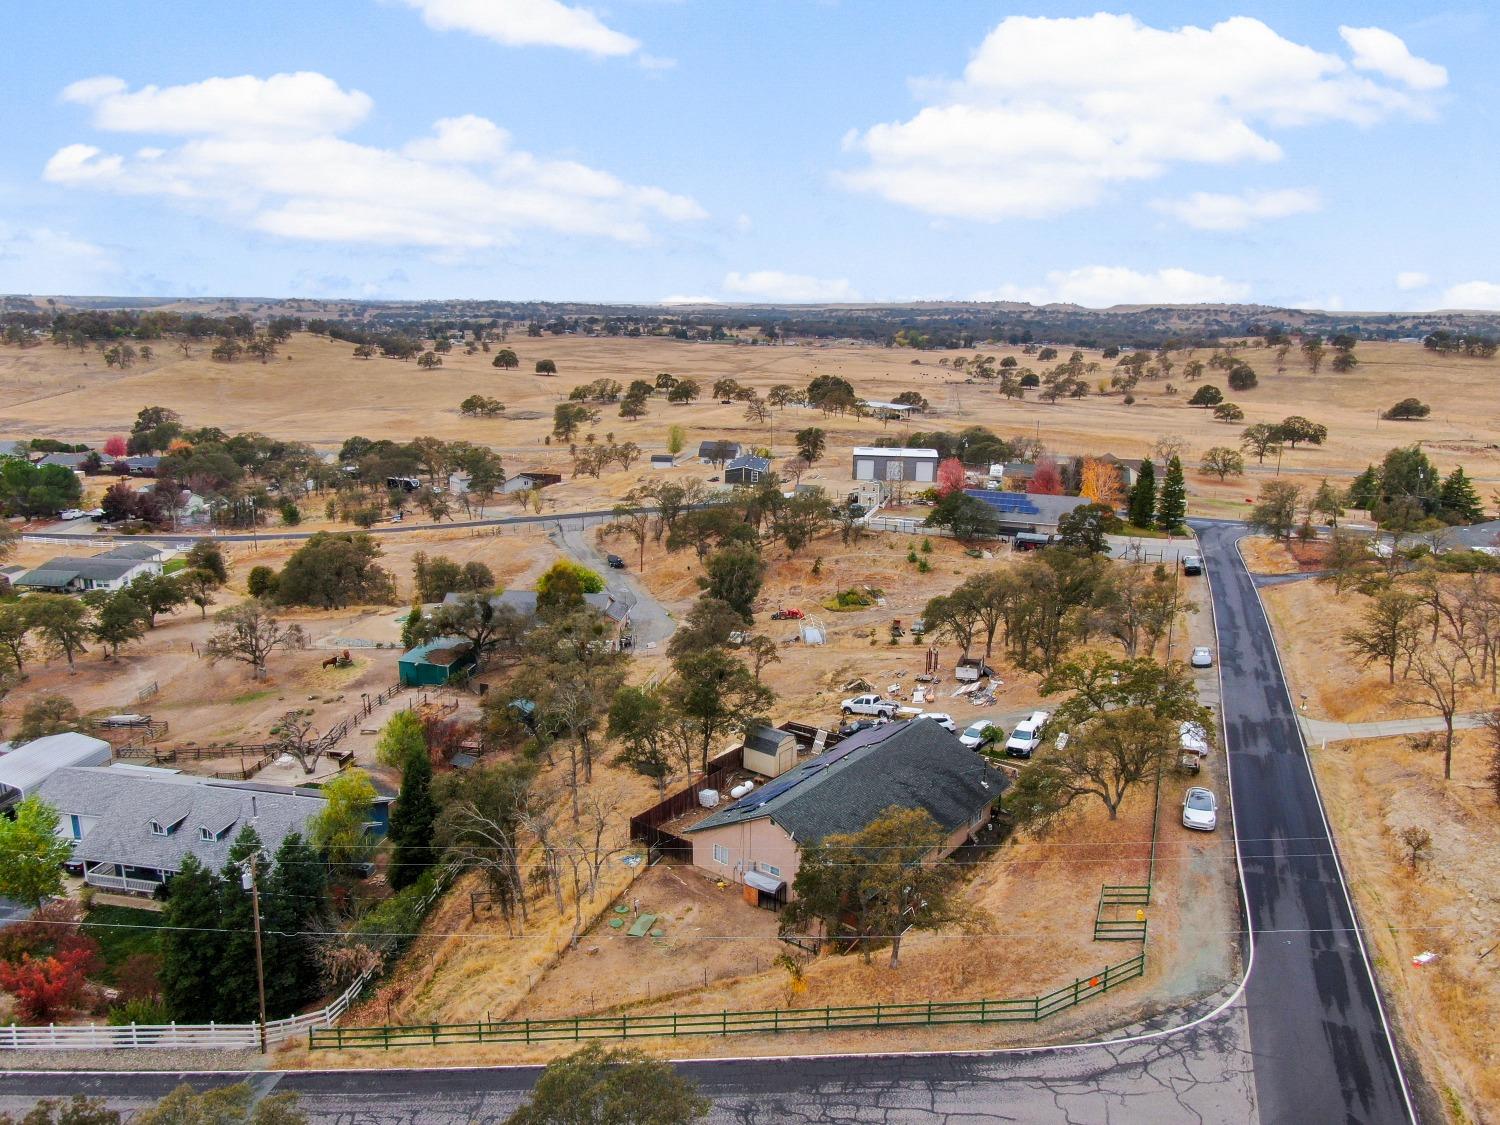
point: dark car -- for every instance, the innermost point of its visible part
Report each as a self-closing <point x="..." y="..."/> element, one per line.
<point x="1192" y="564"/>
<point x="856" y="726"/>
<point x="615" y="562"/>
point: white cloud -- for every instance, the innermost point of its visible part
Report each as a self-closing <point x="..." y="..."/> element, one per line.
<point x="41" y="260"/>
<point x="1377" y="50"/>
<point x="526" y="23"/>
<point x="1102" y="286"/>
<point x="463" y="187"/>
<point x="1050" y="113"/>
<point x="1412" y="279"/>
<point x="1472" y="295"/>
<point x="1205" y="210"/>
<point x="301" y="103"/>
<point x="774" y="285"/>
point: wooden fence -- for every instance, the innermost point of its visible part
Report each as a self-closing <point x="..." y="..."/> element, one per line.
<point x="923" y="1014"/>
<point x="645" y="827"/>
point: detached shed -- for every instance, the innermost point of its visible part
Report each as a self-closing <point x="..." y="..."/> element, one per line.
<point x="436" y="663"/>
<point x="748" y="469"/>
<point x="769" y="751"/>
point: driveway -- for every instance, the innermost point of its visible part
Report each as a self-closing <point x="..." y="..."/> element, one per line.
<point x="649" y="619"/>
<point x="11" y="912"/>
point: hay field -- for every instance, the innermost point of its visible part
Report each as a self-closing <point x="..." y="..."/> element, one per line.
<point x="316" y="391"/>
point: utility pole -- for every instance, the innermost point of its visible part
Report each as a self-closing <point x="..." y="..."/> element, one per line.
<point x="250" y="883"/>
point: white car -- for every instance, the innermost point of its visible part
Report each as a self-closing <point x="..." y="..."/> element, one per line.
<point x="1027" y="736"/>
<point x="1193" y="739"/>
<point x="71" y="514"/>
<point x="1200" y="810"/>
<point x="872" y="704"/>
<point x="1203" y="657"/>
<point x="942" y="719"/>
<point x="973" y="735"/>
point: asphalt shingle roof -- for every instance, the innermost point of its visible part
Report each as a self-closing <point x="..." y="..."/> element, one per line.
<point x="125" y="801"/>
<point x="911" y="765"/>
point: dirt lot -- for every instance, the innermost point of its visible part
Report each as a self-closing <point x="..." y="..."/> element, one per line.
<point x="1450" y="905"/>
<point x="317" y="392"/>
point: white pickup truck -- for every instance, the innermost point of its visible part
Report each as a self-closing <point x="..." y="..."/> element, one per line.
<point x="872" y="704"/>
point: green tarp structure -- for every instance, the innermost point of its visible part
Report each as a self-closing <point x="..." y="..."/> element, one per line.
<point x="435" y="663"/>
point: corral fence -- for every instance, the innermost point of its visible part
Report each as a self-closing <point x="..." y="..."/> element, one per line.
<point x="209" y="1036"/>
<point x="932" y="1013"/>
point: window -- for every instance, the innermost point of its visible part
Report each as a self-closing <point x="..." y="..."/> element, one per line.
<point x="767" y="869"/>
<point x="158" y="828"/>
<point x="721" y="854"/>
<point x="205" y="834"/>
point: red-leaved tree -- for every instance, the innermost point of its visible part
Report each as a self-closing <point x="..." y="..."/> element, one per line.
<point x="115" y="446"/>
<point x="1046" y="480"/>
<point x="950" y="476"/>
<point x="44" y="986"/>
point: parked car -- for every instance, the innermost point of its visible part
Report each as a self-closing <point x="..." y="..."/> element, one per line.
<point x="1192" y="564"/>
<point x="1027" y="736"/>
<point x="71" y="514"/>
<point x="870" y="704"/>
<point x="974" y="734"/>
<point x="1200" y="810"/>
<point x="857" y="725"/>
<point x="788" y="615"/>
<point x="1193" y="739"/>
<point x="615" y="562"/>
<point x="1203" y="657"/>
<point x="942" y="719"/>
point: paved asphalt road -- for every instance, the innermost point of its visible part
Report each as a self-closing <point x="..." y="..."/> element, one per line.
<point x="1321" y="1046"/>
<point x="1304" y="1041"/>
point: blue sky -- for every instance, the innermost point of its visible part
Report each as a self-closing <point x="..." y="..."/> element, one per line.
<point x="1337" y="156"/>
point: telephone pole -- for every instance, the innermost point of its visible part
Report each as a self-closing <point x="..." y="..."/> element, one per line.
<point x="252" y="884"/>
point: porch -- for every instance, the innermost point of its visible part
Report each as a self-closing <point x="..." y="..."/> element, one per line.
<point x="123" y="877"/>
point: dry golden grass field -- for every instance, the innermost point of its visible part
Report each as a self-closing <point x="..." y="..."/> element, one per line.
<point x="316" y="391"/>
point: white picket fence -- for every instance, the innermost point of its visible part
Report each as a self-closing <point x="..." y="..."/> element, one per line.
<point x="211" y="1036"/>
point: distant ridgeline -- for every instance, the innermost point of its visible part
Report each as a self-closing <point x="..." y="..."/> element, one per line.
<point x="922" y="325"/>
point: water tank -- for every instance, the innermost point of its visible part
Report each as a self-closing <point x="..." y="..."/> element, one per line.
<point x="708" y="798"/>
<point x="741" y="789"/>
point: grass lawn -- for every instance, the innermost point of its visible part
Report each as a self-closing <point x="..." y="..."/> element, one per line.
<point x="122" y="931"/>
<point x="173" y="566"/>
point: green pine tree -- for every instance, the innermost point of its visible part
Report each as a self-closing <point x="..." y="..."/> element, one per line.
<point x="191" y="953"/>
<point x="1171" y="505"/>
<point x="291" y="905"/>
<point x="1458" y="501"/>
<point x="411" y="823"/>
<point x="411" y="628"/>
<point x="1364" y="492"/>
<point x="1142" y="505"/>
<point x="237" y="1000"/>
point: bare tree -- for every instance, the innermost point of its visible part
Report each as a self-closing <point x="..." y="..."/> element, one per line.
<point x="250" y="632"/>
<point x="295" y="735"/>
<point x="1436" y="676"/>
<point x="1417" y="841"/>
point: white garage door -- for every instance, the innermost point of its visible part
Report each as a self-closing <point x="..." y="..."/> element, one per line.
<point x="864" y="470"/>
<point x="924" y="470"/>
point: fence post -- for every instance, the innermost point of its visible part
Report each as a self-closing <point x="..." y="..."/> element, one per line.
<point x="1076" y="982"/>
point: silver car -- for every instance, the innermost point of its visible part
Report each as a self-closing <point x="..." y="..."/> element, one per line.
<point x="1200" y="810"/>
<point x="1203" y="657"/>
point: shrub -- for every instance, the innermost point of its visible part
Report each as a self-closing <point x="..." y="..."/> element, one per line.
<point x="261" y="582"/>
<point x="138" y="1010"/>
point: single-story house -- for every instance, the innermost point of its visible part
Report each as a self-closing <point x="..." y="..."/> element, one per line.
<point x="667" y="460"/>
<point x="141" y="465"/>
<point x="746" y="469"/>
<point x="23" y="769"/>
<point x="138" y="552"/>
<point x="436" y="663"/>
<point x="523" y="602"/>
<point x="1026" y="511"/>
<point x="8" y="576"/>
<point x="758" y="840"/>
<point x="1129" y="468"/>
<point x="888" y="409"/>
<point x="878" y="463"/>
<point x="70" y="574"/>
<point x="74" y="461"/>
<point x="132" y="827"/>
<point x="717" y="452"/>
<point x="535" y="478"/>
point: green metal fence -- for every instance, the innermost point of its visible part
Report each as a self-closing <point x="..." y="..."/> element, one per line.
<point x="928" y="1014"/>
<point x="1114" y="898"/>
